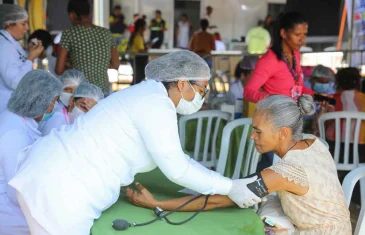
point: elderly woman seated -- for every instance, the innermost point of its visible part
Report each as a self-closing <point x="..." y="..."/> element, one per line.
<point x="305" y="178"/>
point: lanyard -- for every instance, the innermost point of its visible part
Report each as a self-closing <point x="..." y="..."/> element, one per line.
<point x="21" y="56"/>
<point x="291" y="70"/>
<point x="64" y="111"/>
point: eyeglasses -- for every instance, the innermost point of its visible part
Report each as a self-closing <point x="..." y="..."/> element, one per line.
<point x="206" y="90"/>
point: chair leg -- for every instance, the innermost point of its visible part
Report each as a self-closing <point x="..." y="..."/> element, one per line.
<point x="362" y="191"/>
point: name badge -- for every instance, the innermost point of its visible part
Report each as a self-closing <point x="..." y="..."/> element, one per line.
<point x="296" y="91"/>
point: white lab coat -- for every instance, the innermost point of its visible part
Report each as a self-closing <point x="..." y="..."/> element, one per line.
<point x="16" y="133"/>
<point x="183" y="35"/>
<point x="73" y="174"/>
<point x="59" y="118"/>
<point x="13" y="66"/>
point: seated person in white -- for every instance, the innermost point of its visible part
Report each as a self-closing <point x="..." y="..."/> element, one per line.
<point x="31" y="103"/>
<point x="70" y="79"/>
<point x="86" y="96"/>
<point x="305" y="178"/>
<point x="242" y="73"/>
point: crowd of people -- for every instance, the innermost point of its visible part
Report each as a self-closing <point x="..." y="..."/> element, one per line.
<point x="67" y="145"/>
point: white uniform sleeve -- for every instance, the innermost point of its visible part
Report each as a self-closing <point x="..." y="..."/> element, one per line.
<point x="11" y="144"/>
<point x="12" y="69"/>
<point x="156" y="120"/>
<point x="55" y="122"/>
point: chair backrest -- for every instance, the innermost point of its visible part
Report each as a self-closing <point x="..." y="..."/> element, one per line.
<point x="348" y="186"/>
<point x="246" y="148"/>
<point x="352" y="122"/>
<point x="208" y="160"/>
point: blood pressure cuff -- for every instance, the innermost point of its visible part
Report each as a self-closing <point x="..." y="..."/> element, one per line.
<point x="258" y="187"/>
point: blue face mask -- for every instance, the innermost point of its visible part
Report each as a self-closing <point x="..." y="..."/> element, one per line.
<point x="47" y="116"/>
<point x="321" y="87"/>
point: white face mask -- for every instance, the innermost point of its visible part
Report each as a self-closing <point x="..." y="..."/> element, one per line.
<point x="185" y="107"/>
<point x="76" y="112"/>
<point x="65" y="98"/>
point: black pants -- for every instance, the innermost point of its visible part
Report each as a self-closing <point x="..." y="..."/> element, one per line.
<point x="138" y="65"/>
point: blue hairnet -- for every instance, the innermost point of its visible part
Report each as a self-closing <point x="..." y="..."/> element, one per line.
<point x="88" y="90"/>
<point x="72" y="77"/>
<point x="179" y="65"/>
<point x="321" y="71"/>
<point x="34" y="93"/>
<point x="11" y="13"/>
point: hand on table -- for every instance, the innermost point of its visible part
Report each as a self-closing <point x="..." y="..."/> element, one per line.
<point x="141" y="197"/>
<point x="241" y="194"/>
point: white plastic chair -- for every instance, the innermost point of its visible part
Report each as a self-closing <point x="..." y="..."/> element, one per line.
<point x="250" y="152"/>
<point x="348" y="186"/>
<point x="350" y="118"/>
<point x="208" y="159"/>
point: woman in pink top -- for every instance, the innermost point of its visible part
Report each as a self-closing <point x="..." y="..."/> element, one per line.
<point x="279" y="70"/>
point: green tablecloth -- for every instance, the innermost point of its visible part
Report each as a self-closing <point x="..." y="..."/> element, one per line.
<point x="221" y="221"/>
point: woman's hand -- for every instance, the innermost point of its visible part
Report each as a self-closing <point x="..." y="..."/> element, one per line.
<point x="35" y="50"/>
<point x="89" y="103"/>
<point x="141" y="197"/>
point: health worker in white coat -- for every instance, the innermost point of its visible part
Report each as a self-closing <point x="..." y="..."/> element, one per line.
<point x="70" y="79"/>
<point x="72" y="175"/>
<point x="32" y="101"/>
<point x="15" y="62"/>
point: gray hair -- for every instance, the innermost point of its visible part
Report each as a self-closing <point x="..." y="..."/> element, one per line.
<point x="34" y="93"/>
<point x="283" y="111"/>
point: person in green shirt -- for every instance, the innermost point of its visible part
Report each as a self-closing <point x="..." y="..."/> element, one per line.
<point x="258" y="39"/>
<point x="86" y="47"/>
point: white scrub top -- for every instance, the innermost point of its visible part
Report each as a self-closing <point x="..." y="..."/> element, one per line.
<point x="59" y="118"/>
<point x="183" y="35"/>
<point x="13" y="66"/>
<point x="73" y="174"/>
<point x="16" y="133"/>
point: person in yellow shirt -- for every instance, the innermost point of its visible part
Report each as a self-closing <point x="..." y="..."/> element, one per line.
<point x="258" y="39"/>
<point x="137" y="44"/>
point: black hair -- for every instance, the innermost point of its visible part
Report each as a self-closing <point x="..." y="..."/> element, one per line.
<point x="140" y="24"/>
<point x="209" y="7"/>
<point x="285" y="21"/>
<point x="117" y="7"/>
<point x="79" y="7"/>
<point x="260" y="22"/>
<point x="42" y="35"/>
<point x="184" y="15"/>
<point x="204" y="24"/>
<point x="238" y="71"/>
<point x="158" y="12"/>
<point x="348" y="79"/>
<point x="168" y="85"/>
<point x="134" y="15"/>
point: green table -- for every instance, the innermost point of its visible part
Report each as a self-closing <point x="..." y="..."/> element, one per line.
<point x="221" y="221"/>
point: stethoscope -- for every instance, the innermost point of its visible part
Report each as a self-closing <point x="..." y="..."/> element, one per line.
<point x="21" y="56"/>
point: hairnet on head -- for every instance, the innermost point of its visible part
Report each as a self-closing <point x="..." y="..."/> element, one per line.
<point x="179" y="65"/>
<point x="72" y="77"/>
<point x="249" y="62"/>
<point x="11" y="13"/>
<point x="88" y="90"/>
<point x="321" y="71"/>
<point x="34" y="93"/>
